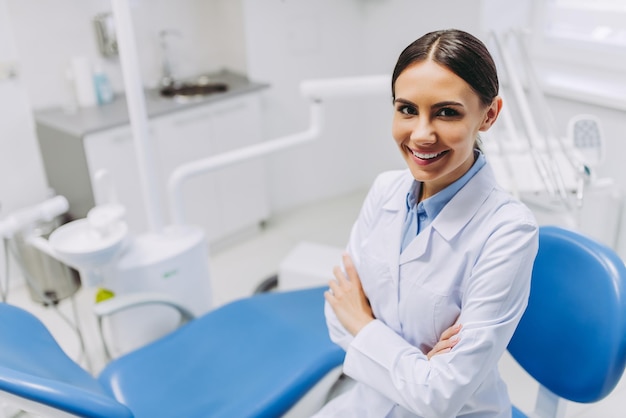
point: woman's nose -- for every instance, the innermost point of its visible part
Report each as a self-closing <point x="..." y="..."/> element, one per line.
<point x="422" y="132"/>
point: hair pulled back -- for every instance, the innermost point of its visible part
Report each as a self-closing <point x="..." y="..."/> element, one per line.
<point x="460" y="52"/>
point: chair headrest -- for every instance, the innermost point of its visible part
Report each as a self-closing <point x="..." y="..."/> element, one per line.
<point x="572" y="337"/>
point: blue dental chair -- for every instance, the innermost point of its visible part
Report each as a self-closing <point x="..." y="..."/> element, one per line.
<point x="255" y="357"/>
<point x="572" y="337"/>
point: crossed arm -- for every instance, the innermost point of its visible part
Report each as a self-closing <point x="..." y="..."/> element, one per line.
<point x="347" y="299"/>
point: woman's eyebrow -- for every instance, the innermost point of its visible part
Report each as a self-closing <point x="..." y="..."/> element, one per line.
<point x="447" y="103"/>
<point x="403" y="101"/>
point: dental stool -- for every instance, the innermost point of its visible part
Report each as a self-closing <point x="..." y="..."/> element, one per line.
<point x="255" y="357"/>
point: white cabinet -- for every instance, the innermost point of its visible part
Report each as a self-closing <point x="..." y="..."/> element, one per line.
<point x="223" y="202"/>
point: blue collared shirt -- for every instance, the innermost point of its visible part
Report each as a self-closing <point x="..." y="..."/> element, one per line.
<point x="420" y="215"/>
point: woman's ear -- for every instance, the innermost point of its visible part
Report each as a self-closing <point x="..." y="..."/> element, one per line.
<point x="492" y="113"/>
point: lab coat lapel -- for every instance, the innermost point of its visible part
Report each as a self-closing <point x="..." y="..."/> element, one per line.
<point x="417" y="247"/>
<point x="455" y="215"/>
<point x="389" y="238"/>
<point x="392" y="234"/>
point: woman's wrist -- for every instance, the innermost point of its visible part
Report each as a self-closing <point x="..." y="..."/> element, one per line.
<point x="359" y="325"/>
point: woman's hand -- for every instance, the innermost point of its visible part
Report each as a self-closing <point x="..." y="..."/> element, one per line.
<point x="449" y="338"/>
<point x="345" y="295"/>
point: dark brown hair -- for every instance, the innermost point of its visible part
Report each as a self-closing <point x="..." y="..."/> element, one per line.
<point x="460" y="52"/>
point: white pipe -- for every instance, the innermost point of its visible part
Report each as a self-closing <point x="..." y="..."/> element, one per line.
<point x="137" y="112"/>
<point x="347" y="86"/>
<point x="204" y="165"/>
<point x="45" y="211"/>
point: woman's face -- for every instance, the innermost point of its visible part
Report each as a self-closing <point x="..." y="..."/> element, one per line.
<point x="436" y="122"/>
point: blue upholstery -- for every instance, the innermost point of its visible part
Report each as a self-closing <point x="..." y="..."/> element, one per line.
<point x="517" y="413"/>
<point x="572" y="337"/>
<point x="33" y="366"/>
<point x="255" y="357"/>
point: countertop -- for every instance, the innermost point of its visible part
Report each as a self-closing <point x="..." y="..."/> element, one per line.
<point x="89" y="120"/>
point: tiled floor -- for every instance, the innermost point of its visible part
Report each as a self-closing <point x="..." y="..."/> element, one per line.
<point x="238" y="268"/>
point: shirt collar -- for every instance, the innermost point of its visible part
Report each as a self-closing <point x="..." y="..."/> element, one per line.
<point x="435" y="203"/>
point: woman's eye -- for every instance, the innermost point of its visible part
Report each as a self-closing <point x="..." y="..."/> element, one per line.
<point x="447" y="112"/>
<point x="407" y="110"/>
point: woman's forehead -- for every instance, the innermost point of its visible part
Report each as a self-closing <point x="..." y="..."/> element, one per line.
<point x="430" y="79"/>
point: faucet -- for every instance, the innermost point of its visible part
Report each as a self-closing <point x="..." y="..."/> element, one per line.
<point x="167" y="77"/>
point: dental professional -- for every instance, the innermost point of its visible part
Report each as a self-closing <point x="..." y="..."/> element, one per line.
<point x="436" y="274"/>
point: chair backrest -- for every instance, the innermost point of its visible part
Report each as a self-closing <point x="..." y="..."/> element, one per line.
<point x="33" y="367"/>
<point x="572" y="337"/>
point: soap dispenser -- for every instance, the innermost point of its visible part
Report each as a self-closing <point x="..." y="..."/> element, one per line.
<point x="104" y="91"/>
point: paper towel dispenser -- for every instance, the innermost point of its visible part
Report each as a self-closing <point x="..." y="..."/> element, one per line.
<point x="105" y="33"/>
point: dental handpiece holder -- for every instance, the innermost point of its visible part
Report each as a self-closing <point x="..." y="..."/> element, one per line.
<point x="87" y="245"/>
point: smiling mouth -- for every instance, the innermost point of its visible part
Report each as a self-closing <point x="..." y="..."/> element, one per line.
<point x="428" y="156"/>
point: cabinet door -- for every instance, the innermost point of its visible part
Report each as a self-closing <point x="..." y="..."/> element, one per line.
<point x="222" y="202"/>
<point x="114" y="151"/>
<point x="242" y="187"/>
<point x="183" y="137"/>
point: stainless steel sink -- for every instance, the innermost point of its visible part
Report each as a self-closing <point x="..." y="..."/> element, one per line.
<point x="202" y="86"/>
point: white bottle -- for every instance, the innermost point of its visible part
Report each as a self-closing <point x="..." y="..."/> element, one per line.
<point x="82" y="76"/>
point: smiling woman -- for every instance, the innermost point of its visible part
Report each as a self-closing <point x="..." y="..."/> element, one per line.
<point x="436" y="275"/>
<point x="443" y="99"/>
<point x="436" y="124"/>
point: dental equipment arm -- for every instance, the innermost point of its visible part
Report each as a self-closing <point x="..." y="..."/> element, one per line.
<point x="331" y="88"/>
<point x="45" y="211"/>
<point x="314" y="90"/>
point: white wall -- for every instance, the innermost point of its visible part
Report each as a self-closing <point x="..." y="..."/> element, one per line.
<point x="292" y="40"/>
<point x="22" y="179"/>
<point x="287" y="42"/>
<point x="49" y="33"/>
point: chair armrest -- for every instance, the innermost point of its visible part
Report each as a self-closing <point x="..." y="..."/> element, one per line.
<point x="131" y="300"/>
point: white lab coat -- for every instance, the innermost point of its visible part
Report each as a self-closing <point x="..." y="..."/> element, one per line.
<point x="473" y="262"/>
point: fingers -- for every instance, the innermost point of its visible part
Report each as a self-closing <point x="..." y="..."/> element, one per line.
<point x="449" y="338"/>
<point x="349" y="278"/>
<point x="338" y="273"/>
<point x="453" y="330"/>
<point x="443" y="346"/>
<point x="350" y="269"/>
<point x="347" y="299"/>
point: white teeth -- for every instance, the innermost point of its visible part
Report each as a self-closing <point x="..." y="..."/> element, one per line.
<point x="426" y="156"/>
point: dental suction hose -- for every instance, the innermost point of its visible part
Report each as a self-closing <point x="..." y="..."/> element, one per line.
<point x="45" y="211"/>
